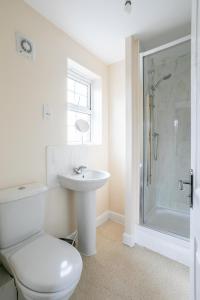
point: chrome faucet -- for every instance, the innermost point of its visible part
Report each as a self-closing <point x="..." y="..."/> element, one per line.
<point x="79" y="170"/>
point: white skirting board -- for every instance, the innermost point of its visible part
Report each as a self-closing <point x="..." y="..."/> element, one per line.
<point x="166" y="245"/>
<point x="109" y="215"/>
<point x="101" y="219"/>
<point x="104" y="217"/>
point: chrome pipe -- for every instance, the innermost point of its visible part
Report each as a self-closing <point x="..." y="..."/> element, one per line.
<point x="155" y="145"/>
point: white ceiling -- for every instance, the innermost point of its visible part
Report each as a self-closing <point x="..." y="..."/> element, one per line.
<point x="102" y="25"/>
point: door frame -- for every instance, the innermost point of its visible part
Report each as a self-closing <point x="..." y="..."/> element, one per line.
<point x="195" y="141"/>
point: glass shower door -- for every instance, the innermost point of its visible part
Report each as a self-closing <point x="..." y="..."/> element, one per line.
<point x="166" y="135"/>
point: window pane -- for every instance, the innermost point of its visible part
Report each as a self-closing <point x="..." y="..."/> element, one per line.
<point x="83" y="101"/>
<point x="83" y="90"/>
<point x="71" y="85"/>
<point x="78" y="93"/>
<point x="74" y="136"/>
<point x="70" y="97"/>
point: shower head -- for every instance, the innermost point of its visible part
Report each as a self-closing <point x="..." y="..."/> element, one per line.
<point x="154" y="86"/>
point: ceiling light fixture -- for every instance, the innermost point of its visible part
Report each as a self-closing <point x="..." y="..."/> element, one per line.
<point x="128" y="6"/>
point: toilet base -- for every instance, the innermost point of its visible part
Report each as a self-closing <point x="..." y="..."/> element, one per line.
<point x="21" y="297"/>
<point x="25" y="294"/>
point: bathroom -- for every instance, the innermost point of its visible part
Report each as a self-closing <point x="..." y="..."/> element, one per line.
<point x="135" y="74"/>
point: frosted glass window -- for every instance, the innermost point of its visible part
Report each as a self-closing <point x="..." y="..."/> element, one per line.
<point x="79" y="107"/>
<point x="78" y="92"/>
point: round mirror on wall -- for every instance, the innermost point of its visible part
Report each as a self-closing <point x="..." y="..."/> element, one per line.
<point x="82" y="126"/>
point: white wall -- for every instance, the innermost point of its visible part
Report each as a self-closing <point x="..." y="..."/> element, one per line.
<point x="24" y="87"/>
<point x="117" y="136"/>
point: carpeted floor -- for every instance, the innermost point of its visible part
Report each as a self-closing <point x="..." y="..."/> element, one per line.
<point x="118" y="272"/>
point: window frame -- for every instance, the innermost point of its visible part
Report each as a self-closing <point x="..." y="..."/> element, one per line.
<point x="78" y="77"/>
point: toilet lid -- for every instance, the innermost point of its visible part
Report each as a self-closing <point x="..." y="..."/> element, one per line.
<point x="47" y="265"/>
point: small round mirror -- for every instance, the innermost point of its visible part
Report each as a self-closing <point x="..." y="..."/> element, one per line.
<point x="82" y="125"/>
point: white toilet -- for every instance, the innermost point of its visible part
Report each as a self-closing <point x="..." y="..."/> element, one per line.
<point x="43" y="266"/>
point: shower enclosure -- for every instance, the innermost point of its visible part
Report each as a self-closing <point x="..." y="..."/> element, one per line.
<point x="166" y="189"/>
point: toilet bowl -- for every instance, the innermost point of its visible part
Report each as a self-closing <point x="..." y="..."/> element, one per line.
<point x="43" y="266"/>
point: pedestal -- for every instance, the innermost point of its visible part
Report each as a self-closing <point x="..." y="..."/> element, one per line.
<point x="86" y="219"/>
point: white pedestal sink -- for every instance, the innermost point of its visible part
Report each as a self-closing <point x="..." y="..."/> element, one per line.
<point x="85" y="185"/>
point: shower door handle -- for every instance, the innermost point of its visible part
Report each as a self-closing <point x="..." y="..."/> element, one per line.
<point x="192" y="188"/>
<point x="181" y="184"/>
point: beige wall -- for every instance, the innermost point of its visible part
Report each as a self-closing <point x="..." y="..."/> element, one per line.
<point x="117" y="136"/>
<point x="24" y="87"/>
<point x="134" y="119"/>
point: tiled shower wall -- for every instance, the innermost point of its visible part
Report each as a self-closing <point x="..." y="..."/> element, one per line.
<point x="172" y="119"/>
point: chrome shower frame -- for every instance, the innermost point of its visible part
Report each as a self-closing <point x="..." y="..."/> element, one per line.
<point x="142" y="56"/>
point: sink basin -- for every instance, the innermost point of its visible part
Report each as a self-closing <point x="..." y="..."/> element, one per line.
<point x="90" y="180"/>
<point x="84" y="186"/>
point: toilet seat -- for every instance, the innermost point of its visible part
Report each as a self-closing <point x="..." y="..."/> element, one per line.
<point x="46" y="266"/>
